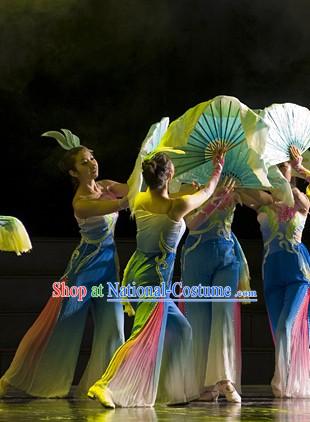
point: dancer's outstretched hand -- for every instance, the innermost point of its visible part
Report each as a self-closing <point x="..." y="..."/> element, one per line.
<point x="218" y="160"/>
<point x="296" y="157"/>
<point x="222" y="194"/>
<point x="195" y="185"/>
<point x="227" y="186"/>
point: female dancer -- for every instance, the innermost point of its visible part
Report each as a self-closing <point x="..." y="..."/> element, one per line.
<point x="46" y="358"/>
<point x="286" y="274"/>
<point x="155" y="363"/>
<point x="212" y="256"/>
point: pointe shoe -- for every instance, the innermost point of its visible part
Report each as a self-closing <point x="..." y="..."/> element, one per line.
<point x="209" y="395"/>
<point x="103" y="394"/>
<point x="3" y="387"/>
<point x="229" y="391"/>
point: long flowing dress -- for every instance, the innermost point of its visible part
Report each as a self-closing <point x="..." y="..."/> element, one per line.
<point x="13" y="235"/>
<point x="46" y="358"/>
<point x="286" y="274"/>
<point x="155" y="363"/>
<point x="212" y="256"/>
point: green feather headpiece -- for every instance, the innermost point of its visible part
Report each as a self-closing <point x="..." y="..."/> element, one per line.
<point x="67" y="140"/>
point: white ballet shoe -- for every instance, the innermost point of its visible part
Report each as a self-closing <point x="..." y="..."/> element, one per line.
<point x="103" y="394"/>
<point x="229" y="391"/>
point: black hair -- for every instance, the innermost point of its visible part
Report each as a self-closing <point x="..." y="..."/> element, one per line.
<point x="156" y="170"/>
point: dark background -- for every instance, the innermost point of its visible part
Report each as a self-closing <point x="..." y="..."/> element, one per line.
<point x="108" y="69"/>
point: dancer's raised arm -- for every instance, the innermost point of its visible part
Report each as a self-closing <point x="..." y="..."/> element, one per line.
<point x="187" y="203"/>
<point x="220" y="196"/>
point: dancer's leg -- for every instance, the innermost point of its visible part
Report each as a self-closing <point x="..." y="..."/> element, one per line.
<point x="291" y="377"/>
<point x="131" y="378"/>
<point x="45" y="360"/>
<point x="224" y="357"/>
<point x="197" y="269"/>
<point x="287" y="299"/>
<point x="108" y="336"/>
<point x="177" y="375"/>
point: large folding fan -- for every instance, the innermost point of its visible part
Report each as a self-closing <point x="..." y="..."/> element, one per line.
<point x="289" y="124"/>
<point x="225" y="124"/>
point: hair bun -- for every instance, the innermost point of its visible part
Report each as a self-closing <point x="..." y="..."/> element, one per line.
<point x="155" y="170"/>
<point x="149" y="165"/>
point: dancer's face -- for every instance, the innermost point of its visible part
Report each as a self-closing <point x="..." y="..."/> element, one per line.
<point x="86" y="166"/>
<point x="286" y="170"/>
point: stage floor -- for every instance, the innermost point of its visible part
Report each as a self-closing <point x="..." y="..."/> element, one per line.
<point x="258" y="407"/>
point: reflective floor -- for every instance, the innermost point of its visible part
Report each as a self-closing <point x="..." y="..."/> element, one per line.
<point x="252" y="409"/>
